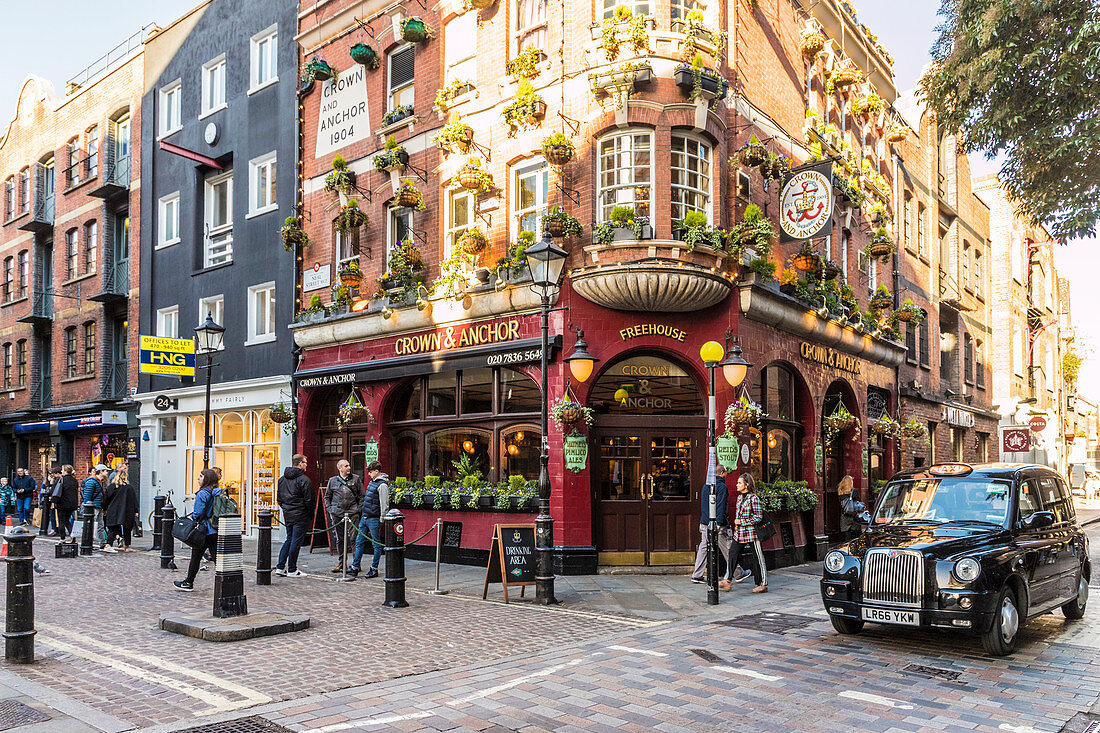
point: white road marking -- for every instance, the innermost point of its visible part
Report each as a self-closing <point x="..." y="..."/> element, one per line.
<point x="217" y="703"/>
<point x="637" y="622"/>
<point x="351" y="725"/>
<point x="514" y="683"/>
<point x="632" y="650"/>
<point x="747" y="673"/>
<point x="876" y="699"/>
<point x="1017" y="728"/>
<point x="253" y="697"/>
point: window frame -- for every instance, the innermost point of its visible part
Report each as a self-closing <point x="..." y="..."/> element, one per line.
<point x="25" y="190"/>
<point x="91" y="243"/>
<point x="172" y="201"/>
<point x="453" y="231"/>
<point x="629" y="133"/>
<point x="72" y="253"/>
<point x="209" y="86"/>
<point x="7" y="383"/>
<point x="169" y="123"/>
<point x="169" y="316"/>
<point x="215" y="305"/>
<point x="271" y="35"/>
<point x="463" y="44"/>
<point x="529" y="36"/>
<point x="254" y="336"/>
<point x="268" y="162"/>
<point x="91" y="147"/>
<point x="211" y="256"/>
<point x="394" y="97"/>
<point x="89" y="348"/>
<point x="530" y="167"/>
<point x="9" y="198"/>
<point x="695" y="140"/>
<point x="70" y="352"/>
<point x="21" y="362"/>
<point x="9" y="278"/>
<point x="23" y="262"/>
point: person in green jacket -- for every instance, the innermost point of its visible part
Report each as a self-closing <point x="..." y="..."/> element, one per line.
<point x="7" y="501"/>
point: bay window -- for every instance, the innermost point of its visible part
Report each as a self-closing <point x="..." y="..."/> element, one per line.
<point x="625" y="173"/>
<point x="691" y="176"/>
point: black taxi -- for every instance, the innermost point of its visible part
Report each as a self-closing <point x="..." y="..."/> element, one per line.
<point x="978" y="548"/>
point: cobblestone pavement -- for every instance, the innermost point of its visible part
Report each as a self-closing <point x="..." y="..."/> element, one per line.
<point x="664" y="660"/>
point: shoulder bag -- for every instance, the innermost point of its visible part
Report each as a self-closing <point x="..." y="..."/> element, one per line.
<point x="190" y="530"/>
<point x="765" y="530"/>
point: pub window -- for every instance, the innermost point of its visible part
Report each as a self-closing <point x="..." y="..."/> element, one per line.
<point x="483" y="414"/>
<point x="401" y="77"/>
<point x="625" y="173"/>
<point x="968" y="359"/>
<point x="530" y="24"/>
<point x="7" y="366"/>
<point x="776" y="446"/>
<point x="691" y="176"/>
<point x="89" y="347"/>
<point x="460" y="215"/>
<point x="646" y="385"/>
<point x="530" y="198"/>
<point x="922" y="332"/>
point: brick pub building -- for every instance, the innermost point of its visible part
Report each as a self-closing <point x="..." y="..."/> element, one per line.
<point x="451" y="370"/>
<point x="69" y="170"/>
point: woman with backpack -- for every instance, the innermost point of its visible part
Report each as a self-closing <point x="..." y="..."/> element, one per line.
<point x="204" y="500"/>
<point x="120" y="508"/>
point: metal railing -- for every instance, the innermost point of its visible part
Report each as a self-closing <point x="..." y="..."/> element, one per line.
<point x="116" y="280"/>
<point x="42" y="394"/>
<point x="116" y="383"/>
<point x="108" y="62"/>
<point x="118" y="173"/>
<point x="42" y="304"/>
<point x="44" y="209"/>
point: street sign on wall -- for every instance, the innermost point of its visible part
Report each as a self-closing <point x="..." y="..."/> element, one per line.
<point x="1015" y="440"/>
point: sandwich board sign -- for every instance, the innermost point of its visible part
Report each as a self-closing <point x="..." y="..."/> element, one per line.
<point x="511" y="558"/>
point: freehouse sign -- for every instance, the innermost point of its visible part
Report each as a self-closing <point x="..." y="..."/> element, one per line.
<point x="830" y="357"/>
<point x="457" y="337"/>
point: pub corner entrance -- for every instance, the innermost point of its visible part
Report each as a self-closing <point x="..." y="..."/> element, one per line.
<point x="651" y="462"/>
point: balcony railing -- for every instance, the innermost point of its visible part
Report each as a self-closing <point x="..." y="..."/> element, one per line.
<point x="116" y="283"/>
<point x="41" y="309"/>
<point x="42" y="395"/>
<point x="116" y="383"/>
<point x="116" y="178"/>
<point x="42" y="218"/>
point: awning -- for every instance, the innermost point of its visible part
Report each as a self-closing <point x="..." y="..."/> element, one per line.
<point x="512" y="353"/>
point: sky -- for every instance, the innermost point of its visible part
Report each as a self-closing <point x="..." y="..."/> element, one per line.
<point x="79" y="32"/>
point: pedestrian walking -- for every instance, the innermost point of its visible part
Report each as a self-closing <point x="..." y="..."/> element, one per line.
<point x="45" y="503"/>
<point x="92" y="490"/>
<point x="295" y="497"/>
<point x="850" y="508"/>
<point x="747" y="517"/>
<point x="204" y="500"/>
<point x="120" y="510"/>
<point x="376" y="500"/>
<point x="721" y="505"/>
<point x="25" y="487"/>
<point x="344" y="495"/>
<point x="66" y="501"/>
<point x="7" y="500"/>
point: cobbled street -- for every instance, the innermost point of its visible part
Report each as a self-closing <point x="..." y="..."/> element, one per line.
<point x="629" y="653"/>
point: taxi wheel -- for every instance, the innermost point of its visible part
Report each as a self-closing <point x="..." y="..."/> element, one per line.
<point x="846" y="625"/>
<point x="1075" y="609"/>
<point x="1000" y="639"/>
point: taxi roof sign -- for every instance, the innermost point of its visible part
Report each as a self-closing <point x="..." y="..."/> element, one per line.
<point x="950" y="469"/>
<point x="170" y="356"/>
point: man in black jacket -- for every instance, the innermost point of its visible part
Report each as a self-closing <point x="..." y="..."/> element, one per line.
<point x="296" y="502"/>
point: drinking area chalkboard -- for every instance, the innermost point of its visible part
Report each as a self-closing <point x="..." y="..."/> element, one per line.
<point x="511" y="558"/>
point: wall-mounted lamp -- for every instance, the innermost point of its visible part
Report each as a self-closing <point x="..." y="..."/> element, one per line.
<point x="421" y="299"/>
<point x="145" y="436"/>
<point x="387" y="312"/>
<point x="581" y="363"/>
<point x="734" y="366"/>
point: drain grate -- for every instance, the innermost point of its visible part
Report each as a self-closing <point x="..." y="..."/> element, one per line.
<point x="14" y="714"/>
<point x="936" y="673"/>
<point x="251" y="724"/>
<point x="705" y="655"/>
<point x="775" y="623"/>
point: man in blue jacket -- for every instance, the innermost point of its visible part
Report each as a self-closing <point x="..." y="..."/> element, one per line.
<point x="721" y="504"/>
<point x="92" y="490"/>
<point x="375" y="502"/>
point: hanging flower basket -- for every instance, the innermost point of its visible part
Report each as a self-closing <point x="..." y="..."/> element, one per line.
<point x="913" y="429"/>
<point x="896" y="133"/>
<point x="319" y="70"/>
<point x="351" y="217"/>
<point x="811" y="43"/>
<point x="473" y="177"/>
<point x="806" y="260"/>
<point x="559" y="154"/>
<point x="293" y="234"/>
<point x="473" y="242"/>
<point x="412" y="255"/>
<point x="884" y="426"/>
<point x="352" y="415"/>
<point x="415" y="30"/>
<point x="280" y="413"/>
<point x="830" y="270"/>
<point x="743" y="412"/>
<point x="561" y="224"/>
<point x="838" y="422"/>
<point x="880" y="249"/>
<point x="408" y="197"/>
<point x="567" y="411"/>
<point x="753" y="153"/>
<point x="351" y="275"/>
<point x="845" y="75"/>
<point x="363" y="54"/>
<point x="881" y="299"/>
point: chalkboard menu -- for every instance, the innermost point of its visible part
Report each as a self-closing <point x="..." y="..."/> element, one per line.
<point x="452" y="535"/>
<point x="511" y="558"/>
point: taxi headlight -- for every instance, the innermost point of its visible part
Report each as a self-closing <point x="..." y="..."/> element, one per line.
<point x="834" y="561"/>
<point x="967" y="570"/>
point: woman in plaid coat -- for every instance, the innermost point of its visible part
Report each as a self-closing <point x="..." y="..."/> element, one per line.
<point x="746" y="538"/>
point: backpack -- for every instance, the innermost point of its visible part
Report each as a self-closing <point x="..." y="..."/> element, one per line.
<point x="220" y="506"/>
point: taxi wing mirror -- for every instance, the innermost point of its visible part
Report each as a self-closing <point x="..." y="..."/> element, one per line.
<point x="1038" y="520"/>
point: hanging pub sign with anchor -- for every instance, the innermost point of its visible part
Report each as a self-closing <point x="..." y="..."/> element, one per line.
<point x="806" y="203"/>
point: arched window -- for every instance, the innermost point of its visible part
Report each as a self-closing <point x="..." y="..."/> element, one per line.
<point x="646" y="385"/>
<point x="777" y="444"/>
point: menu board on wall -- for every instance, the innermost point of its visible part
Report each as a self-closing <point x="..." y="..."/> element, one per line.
<point x="265" y="463"/>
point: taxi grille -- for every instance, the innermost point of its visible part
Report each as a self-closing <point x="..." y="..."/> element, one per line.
<point x="895" y="577"/>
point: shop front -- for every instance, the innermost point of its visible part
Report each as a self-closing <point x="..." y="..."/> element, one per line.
<point x="83" y="440"/>
<point x="249" y="448"/>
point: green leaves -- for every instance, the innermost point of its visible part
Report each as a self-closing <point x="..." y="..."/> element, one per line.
<point x="1022" y="78"/>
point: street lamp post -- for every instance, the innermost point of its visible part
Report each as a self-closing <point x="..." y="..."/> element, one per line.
<point x="545" y="260"/>
<point x="209" y="337"/>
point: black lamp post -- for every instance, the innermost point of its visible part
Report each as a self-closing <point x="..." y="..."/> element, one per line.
<point x="545" y="260"/>
<point x="209" y="337"/>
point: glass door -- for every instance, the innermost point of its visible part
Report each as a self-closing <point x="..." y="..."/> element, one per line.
<point x="620" y="499"/>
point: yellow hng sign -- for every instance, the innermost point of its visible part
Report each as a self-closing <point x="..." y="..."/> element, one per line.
<point x="175" y="357"/>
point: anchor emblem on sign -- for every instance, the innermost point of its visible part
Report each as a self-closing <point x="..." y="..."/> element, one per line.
<point x="804" y="204"/>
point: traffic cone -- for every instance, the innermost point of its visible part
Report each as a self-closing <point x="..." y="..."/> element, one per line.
<point x="7" y="528"/>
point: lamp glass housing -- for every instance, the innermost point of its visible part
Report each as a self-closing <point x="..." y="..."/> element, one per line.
<point x="545" y="260"/>
<point x="711" y="351"/>
<point x="209" y="335"/>
<point x="734" y="367"/>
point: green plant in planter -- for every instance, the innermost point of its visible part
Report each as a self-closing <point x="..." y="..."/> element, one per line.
<point x="558" y="149"/>
<point x="698" y="71"/>
<point x="882" y="299"/>
<point x="466" y="467"/>
<point x="754" y="230"/>
<point x="445" y="94"/>
<point x="621" y="217"/>
<point x="315" y="302"/>
<point x="415" y="30"/>
<point x="340" y="180"/>
<point x="293" y="234"/>
<point x="880" y="246"/>
<point x="696" y="231"/>
<point x="910" y="312"/>
<point x="525" y="64"/>
<point x="408" y="196"/>
<point x="319" y="70"/>
<point x="456" y="497"/>
<point x="351" y="217"/>
<point x="474" y="489"/>
<point x="341" y="295"/>
<point x="363" y="54"/>
<point x="525" y="109"/>
<point x="764" y="267"/>
<point x="456" y="135"/>
<point x="390" y="156"/>
<point x="515" y="262"/>
<point x="454" y="275"/>
<point x="561" y="224"/>
<point x="396" y="114"/>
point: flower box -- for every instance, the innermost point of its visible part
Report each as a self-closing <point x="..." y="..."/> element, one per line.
<point x="626" y="234"/>
<point x="711" y="85"/>
<point x="638" y="77"/>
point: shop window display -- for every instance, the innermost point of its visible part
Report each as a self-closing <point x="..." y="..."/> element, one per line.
<point x="776" y="447"/>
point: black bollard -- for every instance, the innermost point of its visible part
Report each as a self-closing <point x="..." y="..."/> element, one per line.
<point x="229" y="597"/>
<point x="167" y="542"/>
<point x="87" y="528"/>
<point x="158" y="515"/>
<point x="19" y="624"/>
<point x="263" y="548"/>
<point x="46" y="508"/>
<point x="394" y="528"/>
